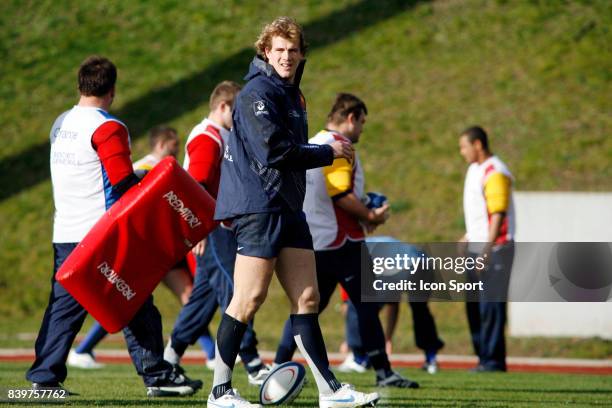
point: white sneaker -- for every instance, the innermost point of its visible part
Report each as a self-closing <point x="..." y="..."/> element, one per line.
<point x="431" y="368"/>
<point x="170" y="355"/>
<point x="210" y="364"/>
<point x="83" y="360"/>
<point x="349" y="365"/>
<point x="347" y="397"/>
<point x="230" y="399"/>
<point x="260" y="376"/>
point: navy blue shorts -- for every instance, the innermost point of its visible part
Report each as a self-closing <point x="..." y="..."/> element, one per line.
<point x="264" y="234"/>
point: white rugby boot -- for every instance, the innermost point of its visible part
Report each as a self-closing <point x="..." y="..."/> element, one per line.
<point x="349" y="365"/>
<point x="83" y="360"/>
<point x="258" y="371"/>
<point x="231" y="399"/>
<point x="347" y="397"/>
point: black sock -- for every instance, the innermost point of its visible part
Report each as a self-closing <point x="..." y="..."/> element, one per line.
<point x="309" y="339"/>
<point x="229" y="336"/>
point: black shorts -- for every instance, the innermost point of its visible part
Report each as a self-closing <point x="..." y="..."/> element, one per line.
<point x="264" y="234"/>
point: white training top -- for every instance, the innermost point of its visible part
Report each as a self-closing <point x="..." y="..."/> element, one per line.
<point x="329" y="225"/>
<point x="81" y="189"/>
<point x="475" y="205"/>
<point x="208" y="128"/>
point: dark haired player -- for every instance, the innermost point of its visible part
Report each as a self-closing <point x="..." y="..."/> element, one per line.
<point x="90" y="170"/>
<point x="338" y="220"/>
<point x="490" y="224"/>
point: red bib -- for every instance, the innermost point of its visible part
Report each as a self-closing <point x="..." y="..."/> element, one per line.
<point x="118" y="264"/>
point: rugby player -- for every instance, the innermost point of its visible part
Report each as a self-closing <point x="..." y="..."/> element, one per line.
<point x="490" y="225"/>
<point x="213" y="285"/>
<point x="164" y="142"/>
<point x="261" y="192"/>
<point x="338" y="220"/>
<point x="90" y="170"/>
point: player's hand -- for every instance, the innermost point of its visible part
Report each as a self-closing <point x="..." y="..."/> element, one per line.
<point x="369" y="227"/>
<point x="343" y="149"/>
<point x="379" y="215"/>
<point x="198" y="249"/>
<point x="486" y="258"/>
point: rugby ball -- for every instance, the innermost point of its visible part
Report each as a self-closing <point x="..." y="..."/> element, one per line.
<point x="283" y="384"/>
<point x="374" y="200"/>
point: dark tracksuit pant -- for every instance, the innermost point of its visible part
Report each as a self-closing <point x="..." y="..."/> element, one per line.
<point x="212" y="287"/>
<point x="487" y="316"/>
<point x="63" y="319"/>
<point x="425" y="332"/>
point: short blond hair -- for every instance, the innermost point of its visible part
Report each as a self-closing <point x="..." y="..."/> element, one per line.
<point x="285" y="27"/>
<point x="225" y="91"/>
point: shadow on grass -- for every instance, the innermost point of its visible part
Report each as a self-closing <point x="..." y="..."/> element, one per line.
<point x="31" y="166"/>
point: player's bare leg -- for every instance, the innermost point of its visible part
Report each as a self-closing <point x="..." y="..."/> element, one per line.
<point x="295" y="269"/>
<point x="179" y="281"/>
<point x="252" y="276"/>
<point x="296" y="272"/>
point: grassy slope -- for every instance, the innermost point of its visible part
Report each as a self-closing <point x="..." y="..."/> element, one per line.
<point x="119" y="386"/>
<point x="536" y="75"/>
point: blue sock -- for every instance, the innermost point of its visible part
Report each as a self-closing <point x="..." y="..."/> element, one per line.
<point x="430" y="356"/>
<point x="361" y="359"/>
<point x="208" y="346"/>
<point x="93" y="337"/>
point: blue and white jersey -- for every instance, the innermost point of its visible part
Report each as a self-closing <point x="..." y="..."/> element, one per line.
<point x="81" y="188"/>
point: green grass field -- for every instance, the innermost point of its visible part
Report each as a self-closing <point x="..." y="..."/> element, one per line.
<point x="450" y="319"/>
<point x="118" y="385"/>
<point x="537" y="75"/>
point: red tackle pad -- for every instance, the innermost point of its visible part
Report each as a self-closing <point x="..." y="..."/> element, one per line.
<point x="118" y="264"/>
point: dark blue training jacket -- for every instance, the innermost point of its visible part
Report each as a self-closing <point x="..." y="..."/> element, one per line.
<point x="265" y="160"/>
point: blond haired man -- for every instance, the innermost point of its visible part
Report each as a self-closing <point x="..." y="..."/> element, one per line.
<point x="263" y="182"/>
<point x="213" y="284"/>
